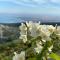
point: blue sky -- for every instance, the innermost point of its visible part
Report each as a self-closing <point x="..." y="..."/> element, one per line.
<point x="30" y="6"/>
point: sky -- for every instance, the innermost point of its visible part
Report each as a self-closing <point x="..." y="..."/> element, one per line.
<point x="30" y="6"/>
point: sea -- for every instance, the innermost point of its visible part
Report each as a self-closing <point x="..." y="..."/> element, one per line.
<point x="18" y="18"/>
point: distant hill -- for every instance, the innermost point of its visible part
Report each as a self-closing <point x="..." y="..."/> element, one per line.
<point x="18" y="24"/>
<point x="9" y="32"/>
<point x="51" y="23"/>
<point x="11" y="24"/>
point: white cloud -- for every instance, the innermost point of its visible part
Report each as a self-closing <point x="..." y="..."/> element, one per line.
<point x="54" y="1"/>
<point x="40" y="1"/>
<point x="26" y="1"/>
<point x="32" y="2"/>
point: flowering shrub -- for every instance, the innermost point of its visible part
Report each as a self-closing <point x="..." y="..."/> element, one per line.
<point x="38" y="39"/>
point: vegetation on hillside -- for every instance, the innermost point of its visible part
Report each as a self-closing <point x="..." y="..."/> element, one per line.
<point x="39" y="42"/>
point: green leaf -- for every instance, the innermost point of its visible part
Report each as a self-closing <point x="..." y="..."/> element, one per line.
<point x="55" y="56"/>
<point x="32" y="59"/>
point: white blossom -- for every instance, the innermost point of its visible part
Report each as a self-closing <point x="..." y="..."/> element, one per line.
<point x="24" y="38"/>
<point x="50" y="48"/>
<point x="33" y="28"/>
<point x="20" y="56"/>
<point x="38" y="49"/>
<point x="51" y="28"/>
<point x="44" y="32"/>
<point x="43" y="40"/>
<point x="23" y="29"/>
<point x="23" y="32"/>
<point x="38" y="43"/>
